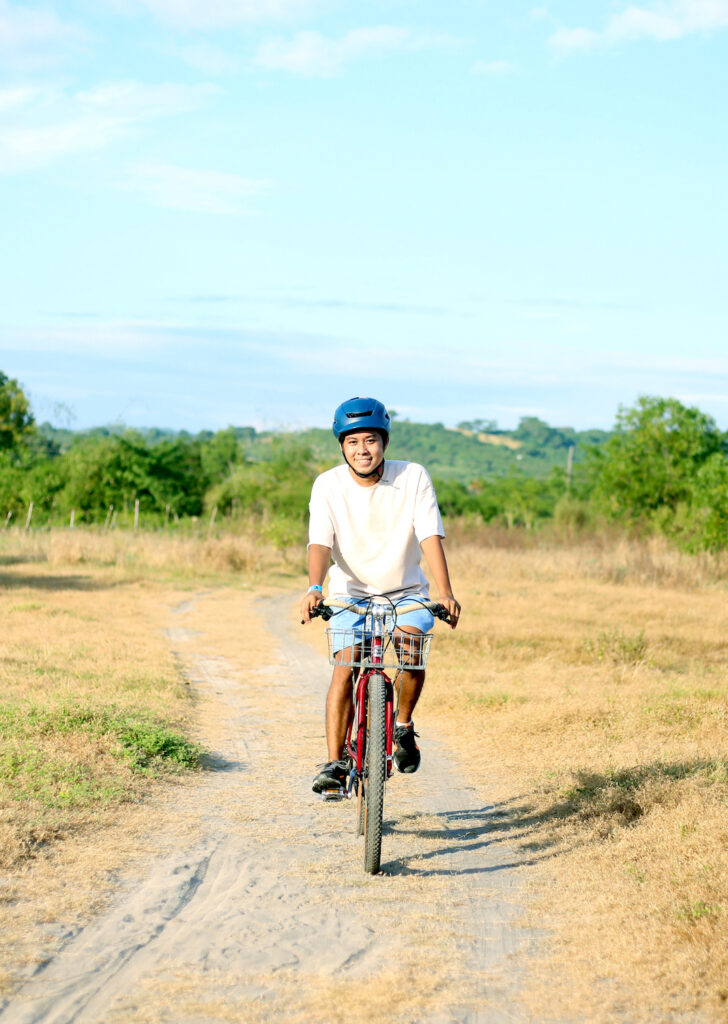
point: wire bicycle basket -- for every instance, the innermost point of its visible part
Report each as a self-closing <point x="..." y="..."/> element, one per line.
<point x="352" y="647"/>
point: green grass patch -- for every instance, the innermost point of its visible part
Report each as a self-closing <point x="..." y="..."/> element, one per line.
<point x="58" y="783"/>
<point x="699" y="909"/>
<point x="617" y="646"/>
<point x="145" y="743"/>
<point x="684" y="707"/>
<point x="492" y="700"/>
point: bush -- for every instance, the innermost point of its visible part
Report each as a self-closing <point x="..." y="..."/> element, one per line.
<point x="274" y="492"/>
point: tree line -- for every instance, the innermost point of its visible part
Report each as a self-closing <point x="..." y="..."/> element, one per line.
<point x="664" y="468"/>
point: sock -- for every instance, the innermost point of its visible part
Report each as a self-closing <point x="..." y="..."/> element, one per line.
<point x="403" y="725"/>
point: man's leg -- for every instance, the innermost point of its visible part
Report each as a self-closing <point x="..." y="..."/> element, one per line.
<point x="409" y="688"/>
<point x="410" y="680"/>
<point x="339" y="709"/>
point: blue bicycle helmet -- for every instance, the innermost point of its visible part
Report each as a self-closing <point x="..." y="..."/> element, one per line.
<point x="360" y="414"/>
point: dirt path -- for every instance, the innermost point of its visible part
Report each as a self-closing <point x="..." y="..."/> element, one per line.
<point x="257" y="907"/>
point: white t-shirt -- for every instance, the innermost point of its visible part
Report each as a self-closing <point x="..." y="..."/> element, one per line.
<point x="375" y="532"/>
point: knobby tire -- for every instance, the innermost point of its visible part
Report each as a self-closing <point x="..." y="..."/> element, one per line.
<point x="376" y="774"/>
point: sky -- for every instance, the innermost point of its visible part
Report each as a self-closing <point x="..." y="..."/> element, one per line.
<point x="243" y="212"/>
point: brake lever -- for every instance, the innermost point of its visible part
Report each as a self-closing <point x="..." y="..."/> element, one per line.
<point x="321" y="610"/>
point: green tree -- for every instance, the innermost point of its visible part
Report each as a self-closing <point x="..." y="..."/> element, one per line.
<point x="220" y="454"/>
<point x="704" y="522"/>
<point x="16" y="419"/>
<point x="117" y="470"/>
<point x="455" y="499"/>
<point x="274" y="491"/>
<point x="648" y="468"/>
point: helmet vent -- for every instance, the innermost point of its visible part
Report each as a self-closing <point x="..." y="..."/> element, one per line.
<point x="358" y="415"/>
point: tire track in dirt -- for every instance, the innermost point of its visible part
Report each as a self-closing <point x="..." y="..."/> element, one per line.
<point x="261" y="908"/>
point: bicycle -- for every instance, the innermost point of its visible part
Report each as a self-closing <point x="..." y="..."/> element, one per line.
<point x="369" y="650"/>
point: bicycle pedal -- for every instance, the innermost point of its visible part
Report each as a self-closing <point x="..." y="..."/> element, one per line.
<point x="333" y="794"/>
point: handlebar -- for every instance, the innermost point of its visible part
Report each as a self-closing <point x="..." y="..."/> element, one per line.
<point x="325" y="609"/>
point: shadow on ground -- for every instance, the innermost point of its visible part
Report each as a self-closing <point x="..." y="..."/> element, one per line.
<point x="530" y="830"/>
<point x="75" y="582"/>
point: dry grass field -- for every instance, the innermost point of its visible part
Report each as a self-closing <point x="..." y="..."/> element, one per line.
<point x="584" y="694"/>
<point x="93" y="720"/>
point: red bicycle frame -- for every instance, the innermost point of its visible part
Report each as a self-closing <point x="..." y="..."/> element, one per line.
<point x="356" y="750"/>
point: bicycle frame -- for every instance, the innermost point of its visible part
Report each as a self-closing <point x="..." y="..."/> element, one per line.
<point x="356" y="750"/>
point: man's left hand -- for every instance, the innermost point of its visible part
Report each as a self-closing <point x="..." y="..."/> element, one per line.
<point x="452" y="607"/>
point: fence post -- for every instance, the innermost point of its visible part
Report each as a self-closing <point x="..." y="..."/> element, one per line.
<point x="136" y="516"/>
<point x="569" y="465"/>
<point x="29" y="517"/>
<point x="73" y="518"/>
<point x="213" y="516"/>
<point x="166" y="517"/>
<point x="108" y="517"/>
<point x="8" y="517"/>
<point x="113" y="521"/>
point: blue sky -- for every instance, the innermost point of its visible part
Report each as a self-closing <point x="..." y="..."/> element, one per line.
<point x="245" y="211"/>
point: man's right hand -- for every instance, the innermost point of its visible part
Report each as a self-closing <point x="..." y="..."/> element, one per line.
<point x="309" y="602"/>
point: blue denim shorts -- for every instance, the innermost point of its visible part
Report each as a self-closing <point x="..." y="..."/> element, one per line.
<point x="342" y="619"/>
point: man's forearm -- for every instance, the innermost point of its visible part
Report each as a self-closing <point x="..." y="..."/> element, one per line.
<point x="435" y="557"/>
<point x="319" y="559"/>
<point x="434" y="554"/>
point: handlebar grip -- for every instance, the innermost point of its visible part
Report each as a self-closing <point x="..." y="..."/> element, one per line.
<point x="442" y="613"/>
<point x="323" y="610"/>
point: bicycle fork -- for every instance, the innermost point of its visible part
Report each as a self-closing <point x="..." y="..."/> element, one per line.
<point x="356" y="745"/>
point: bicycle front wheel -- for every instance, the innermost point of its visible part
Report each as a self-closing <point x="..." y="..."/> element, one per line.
<point x="376" y="771"/>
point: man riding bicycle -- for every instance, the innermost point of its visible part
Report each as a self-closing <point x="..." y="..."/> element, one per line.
<point x="375" y="518"/>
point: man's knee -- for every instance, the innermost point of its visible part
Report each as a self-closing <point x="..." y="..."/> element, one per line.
<point x="413" y="677"/>
<point x="341" y="679"/>
<point x="409" y="644"/>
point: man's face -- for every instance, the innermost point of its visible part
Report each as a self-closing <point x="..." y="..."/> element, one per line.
<point x="363" y="450"/>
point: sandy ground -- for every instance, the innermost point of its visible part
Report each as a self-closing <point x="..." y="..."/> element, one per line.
<point x="256" y="907"/>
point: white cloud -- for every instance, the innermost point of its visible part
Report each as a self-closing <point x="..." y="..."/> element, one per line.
<point x="671" y="19"/>
<point x="182" y="188"/>
<point x="209" y="59"/>
<point x="39" y="126"/>
<point x="137" y="101"/>
<point x="217" y="14"/>
<point x="17" y="97"/>
<point x="25" y="148"/>
<point x="573" y="39"/>
<point x="32" y="37"/>
<point x="492" y="67"/>
<point x="313" y="54"/>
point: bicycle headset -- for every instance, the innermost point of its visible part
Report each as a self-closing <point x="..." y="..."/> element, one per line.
<point x="361" y="414"/>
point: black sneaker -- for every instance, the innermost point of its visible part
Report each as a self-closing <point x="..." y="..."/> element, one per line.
<point x="332" y="775"/>
<point x="406" y="751"/>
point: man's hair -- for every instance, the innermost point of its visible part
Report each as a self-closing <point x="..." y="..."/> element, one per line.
<point x="364" y="430"/>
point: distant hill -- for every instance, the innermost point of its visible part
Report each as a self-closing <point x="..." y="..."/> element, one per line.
<point x="463" y="454"/>
<point x="534" y="448"/>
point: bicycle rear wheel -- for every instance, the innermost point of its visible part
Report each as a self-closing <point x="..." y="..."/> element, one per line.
<point x="376" y="771"/>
